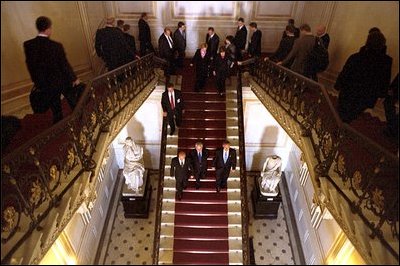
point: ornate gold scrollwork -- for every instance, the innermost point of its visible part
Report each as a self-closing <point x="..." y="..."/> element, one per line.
<point x="326" y="144"/>
<point x="109" y="103"/>
<point x="36" y="191"/>
<point x="9" y="216"/>
<point x="377" y="198"/>
<point x="70" y="158"/>
<point x="6" y="169"/>
<point x="82" y="136"/>
<point x="101" y="107"/>
<point x="93" y="118"/>
<point x="357" y="178"/>
<point x="32" y="151"/>
<point x="341" y="164"/>
<point x="53" y="172"/>
<point x="318" y="125"/>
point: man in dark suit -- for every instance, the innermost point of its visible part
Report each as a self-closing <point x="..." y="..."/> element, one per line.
<point x="49" y="68"/>
<point x="255" y="43"/>
<point x="240" y="39"/>
<point x="221" y="69"/>
<point x="201" y="60"/>
<point x="111" y="46"/>
<point x="323" y="35"/>
<point x="212" y="41"/>
<point x="130" y="41"/>
<point x="198" y="158"/>
<point x="172" y="104"/>
<point x="120" y="24"/>
<point x="144" y="36"/>
<point x="285" y="46"/>
<point x="180" y="43"/>
<point x="181" y="169"/>
<point x="166" y="50"/>
<point x="224" y="163"/>
<point x="296" y="30"/>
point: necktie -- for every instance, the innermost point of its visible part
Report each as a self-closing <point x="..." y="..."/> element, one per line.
<point x="181" y="163"/>
<point x="199" y="155"/>
<point x="172" y="102"/>
<point x="225" y="156"/>
<point x="170" y="42"/>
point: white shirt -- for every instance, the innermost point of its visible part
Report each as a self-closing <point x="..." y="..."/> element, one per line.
<point x="181" y="162"/>
<point x="226" y="153"/>
<point x="212" y="35"/>
<point x="43" y="35"/>
<point x="173" y="95"/>
<point x="241" y="27"/>
<point x="169" y="39"/>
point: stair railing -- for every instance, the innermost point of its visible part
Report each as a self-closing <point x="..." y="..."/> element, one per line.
<point x="366" y="169"/>
<point x="37" y="175"/>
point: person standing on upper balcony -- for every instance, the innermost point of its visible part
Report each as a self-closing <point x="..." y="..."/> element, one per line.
<point x="120" y="24"/>
<point x="173" y="107"/>
<point x="296" y="30"/>
<point x="230" y="50"/>
<point x="144" y="36"/>
<point x="221" y="70"/>
<point x="297" y="58"/>
<point x="255" y="43"/>
<point x="365" y="77"/>
<point x="240" y="39"/>
<point x="49" y="68"/>
<point x="212" y="40"/>
<point x="285" y="46"/>
<point x="131" y="41"/>
<point x="224" y="163"/>
<point x="112" y="47"/>
<point x="201" y="61"/>
<point x="166" y="51"/>
<point x="180" y="43"/>
<point x="323" y="35"/>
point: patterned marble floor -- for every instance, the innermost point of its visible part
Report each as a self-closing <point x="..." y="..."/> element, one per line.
<point x="131" y="240"/>
<point x="271" y="241"/>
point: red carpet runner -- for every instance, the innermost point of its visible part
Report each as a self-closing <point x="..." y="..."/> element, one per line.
<point x="201" y="217"/>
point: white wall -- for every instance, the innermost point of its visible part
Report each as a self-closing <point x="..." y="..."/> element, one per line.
<point x="145" y="129"/>
<point x="263" y="134"/>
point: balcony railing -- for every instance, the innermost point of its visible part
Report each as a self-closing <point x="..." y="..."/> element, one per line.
<point x="363" y="173"/>
<point x="37" y="175"/>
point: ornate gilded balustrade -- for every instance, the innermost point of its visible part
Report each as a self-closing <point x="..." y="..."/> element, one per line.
<point x="37" y="175"/>
<point x="364" y="175"/>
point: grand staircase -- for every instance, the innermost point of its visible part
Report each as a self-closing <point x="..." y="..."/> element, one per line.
<point x="205" y="227"/>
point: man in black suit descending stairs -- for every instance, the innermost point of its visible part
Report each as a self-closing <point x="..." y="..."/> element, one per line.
<point x="224" y="162"/>
<point x="181" y="169"/>
<point x="198" y="158"/>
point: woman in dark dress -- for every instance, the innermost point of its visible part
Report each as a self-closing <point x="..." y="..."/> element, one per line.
<point x="221" y="69"/>
<point x="201" y="60"/>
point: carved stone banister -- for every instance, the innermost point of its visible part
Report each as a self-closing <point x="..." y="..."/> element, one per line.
<point x="37" y="175"/>
<point x="363" y="174"/>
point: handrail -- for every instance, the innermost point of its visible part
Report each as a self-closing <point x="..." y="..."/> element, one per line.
<point x="157" y="229"/>
<point x="243" y="176"/>
<point x="36" y="175"/>
<point x="365" y="173"/>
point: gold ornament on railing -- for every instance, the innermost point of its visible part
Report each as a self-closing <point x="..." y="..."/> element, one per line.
<point x="70" y="158"/>
<point x="318" y="125"/>
<point x="9" y="216"/>
<point x="340" y="164"/>
<point x="36" y="192"/>
<point x="6" y="169"/>
<point x="357" y="178"/>
<point x="93" y="118"/>
<point x="377" y="198"/>
<point x="53" y="172"/>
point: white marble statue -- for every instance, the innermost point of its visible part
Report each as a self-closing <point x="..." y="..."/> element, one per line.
<point x="133" y="165"/>
<point x="270" y="176"/>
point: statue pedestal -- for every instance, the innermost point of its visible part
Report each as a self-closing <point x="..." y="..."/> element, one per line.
<point x="265" y="206"/>
<point x="137" y="205"/>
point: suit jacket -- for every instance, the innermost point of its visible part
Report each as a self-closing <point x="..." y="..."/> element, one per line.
<point x="219" y="159"/>
<point x="299" y="54"/>
<point x="131" y="43"/>
<point x="325" y="40"/>
<point x="231" y="53"/>
<point x="198" y="167"/>
<point x="179" y="41"/>
<point x="212" y="45"/>
<point x="166" y="105"/>
<point x="255" y="44"/>
<point x="221" y="66"/>
<point x="179" y="172"/>
<point x="48" y="65"/>
<point x="365" y="77"/>
<point x="241" y="38"/>
<point x="201" y="63"/>
<point x="112" y="47"/>
<point x="285" y="46"/>
<point x="144" y="31"/>
<point x="164" y="49"/>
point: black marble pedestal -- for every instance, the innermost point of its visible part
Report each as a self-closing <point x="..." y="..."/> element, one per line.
<point x="137" y="205"/>
<point x="265" y="206"/>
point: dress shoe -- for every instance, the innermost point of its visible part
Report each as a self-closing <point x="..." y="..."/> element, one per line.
<point x="180" y="197"/>
<point x="172" y="132"/>
<point x="218" y="189"/>
<point x="221" y="94"/>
